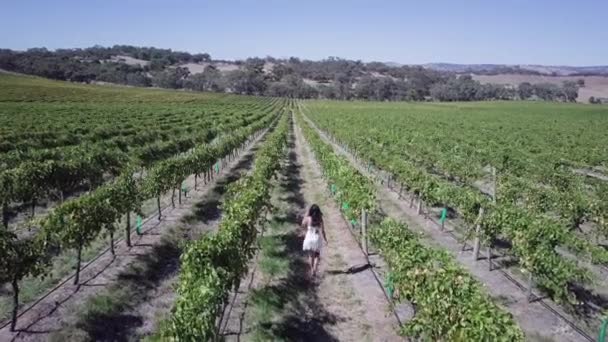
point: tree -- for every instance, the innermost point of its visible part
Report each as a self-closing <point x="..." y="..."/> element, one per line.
<point x="570" y="90"/>
<point x="249" y="81"/>
<point x="170" y="78"/>
<point x="547" y="91"/>
<point x="525" y="90"/>
<point x="210" y="79"/>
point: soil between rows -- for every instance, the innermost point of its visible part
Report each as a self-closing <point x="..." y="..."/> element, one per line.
<point x="339" y="304"/>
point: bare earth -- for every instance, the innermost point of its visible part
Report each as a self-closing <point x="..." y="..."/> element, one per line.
<point x="344" y="302"/>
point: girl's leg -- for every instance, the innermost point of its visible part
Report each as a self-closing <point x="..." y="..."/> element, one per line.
<point x="311" y="260"/>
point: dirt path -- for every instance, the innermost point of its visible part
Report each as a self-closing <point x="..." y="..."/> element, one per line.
<point x="344" y="302"/>
<point x="535" y="319"/>
<point x="62" y="308"/>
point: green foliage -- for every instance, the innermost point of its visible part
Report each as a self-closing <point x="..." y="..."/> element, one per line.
<point x="428" y="278"/>
<point x="450" y="305"/>
<point x="103" y="156"/>
<point x="442" y="153"/>
<point x="213" y="265"/>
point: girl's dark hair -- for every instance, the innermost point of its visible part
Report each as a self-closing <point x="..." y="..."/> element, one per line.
<point x="316" y="216"/>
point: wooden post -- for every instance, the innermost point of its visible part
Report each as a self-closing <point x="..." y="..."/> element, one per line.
<point x="158" y="206"/>
<point x="494" y="184"/>
<point x="490" y="257"/>
<point x="477" y="242"/>
<point x="400" y="190"/>
<point x="530" y="283"/>
<point x="128" y="229"/>
<point x="364" y="231"/>
<point x="112" y="250"/>
<point x="15" y="285"/>
<point x="412" y="201"/>
<point x="419" y="208"/>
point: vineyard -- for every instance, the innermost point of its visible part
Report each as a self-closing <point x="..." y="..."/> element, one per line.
<point x="97" y="168"/>
<point x="527" y="180"/>
<point x="222" y="181"/>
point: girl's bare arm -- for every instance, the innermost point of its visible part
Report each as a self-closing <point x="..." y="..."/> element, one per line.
<point x="304" y="221"/>
<point x="323" y="231"/>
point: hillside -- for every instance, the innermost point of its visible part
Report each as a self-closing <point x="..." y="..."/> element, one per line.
<point x="533" y="69"/>
<point x="331" y="78"/>
<point x="596" y="86"/>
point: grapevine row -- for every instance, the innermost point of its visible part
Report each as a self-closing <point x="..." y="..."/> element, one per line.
<point x="534" y="237"/>
<point x="77" y="222"/>
<point x="214" y="264"/>
<point x="428" y="278"/>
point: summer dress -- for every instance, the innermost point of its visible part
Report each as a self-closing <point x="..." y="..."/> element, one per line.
<point x="312" y="240"/>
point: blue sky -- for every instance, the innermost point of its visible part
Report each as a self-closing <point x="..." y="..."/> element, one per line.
<point x="553" y="32"/>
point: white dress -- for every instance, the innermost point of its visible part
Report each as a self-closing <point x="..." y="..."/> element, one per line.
<point x="312" y="240"/>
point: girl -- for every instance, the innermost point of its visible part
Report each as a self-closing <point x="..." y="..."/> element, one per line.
<point x="312" y="242"/>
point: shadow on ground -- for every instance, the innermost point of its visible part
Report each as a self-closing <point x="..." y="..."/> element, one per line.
<point x="292" y="297"/>
<point x="111" y="316"/>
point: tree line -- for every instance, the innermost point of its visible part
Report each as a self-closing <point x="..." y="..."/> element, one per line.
<point x="331" y="78"/>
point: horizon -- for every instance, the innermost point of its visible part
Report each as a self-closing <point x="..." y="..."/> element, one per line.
<point x="518" y="33"/>
<point x="315" y="60"/>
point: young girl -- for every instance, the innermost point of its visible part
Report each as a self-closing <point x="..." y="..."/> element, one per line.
<point x="312" y="242"/>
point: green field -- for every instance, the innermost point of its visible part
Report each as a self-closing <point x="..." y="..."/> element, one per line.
<point x="94" y="154"/>
<point x="76" y="160"/>
<point x="550" y="162"/>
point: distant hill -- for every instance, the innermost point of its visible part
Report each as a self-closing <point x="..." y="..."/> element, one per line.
<point x="334" y="77"/>
<point x="531" y="69"/>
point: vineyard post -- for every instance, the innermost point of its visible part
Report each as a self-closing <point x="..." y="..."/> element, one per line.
<point x="530" y="283"/>
<point x="490" y="256"/>
<point x="419" y="207"/>
<point x="412" y="201"/>
<point x="195" y="181"/>
<point x="173" y="197"/>
<point x="15" y="285"/>
<point x="128" y="229"/>
<point x="364" y="231"/>
<point x="158" y="206"/>
<point x="477" y="242"/>
<point x="180" y="196"/>
<point x="78" y="260"/>
<point x="400" y="190"/>
<point x="494" y="184"/>
<point x="388" y="180"/>
<point x="112" y="243"/>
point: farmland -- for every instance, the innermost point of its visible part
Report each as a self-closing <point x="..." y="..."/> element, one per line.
<point x="134" y="213"/>
<point x="94" y="155"/>
<point x="530" y="177"/>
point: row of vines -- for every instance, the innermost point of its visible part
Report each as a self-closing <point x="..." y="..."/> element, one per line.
<point x="117" y="178"/>
<point x="449" y="303"/>
<point x="215" y="264"/>
<point x="444" y="173"/>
